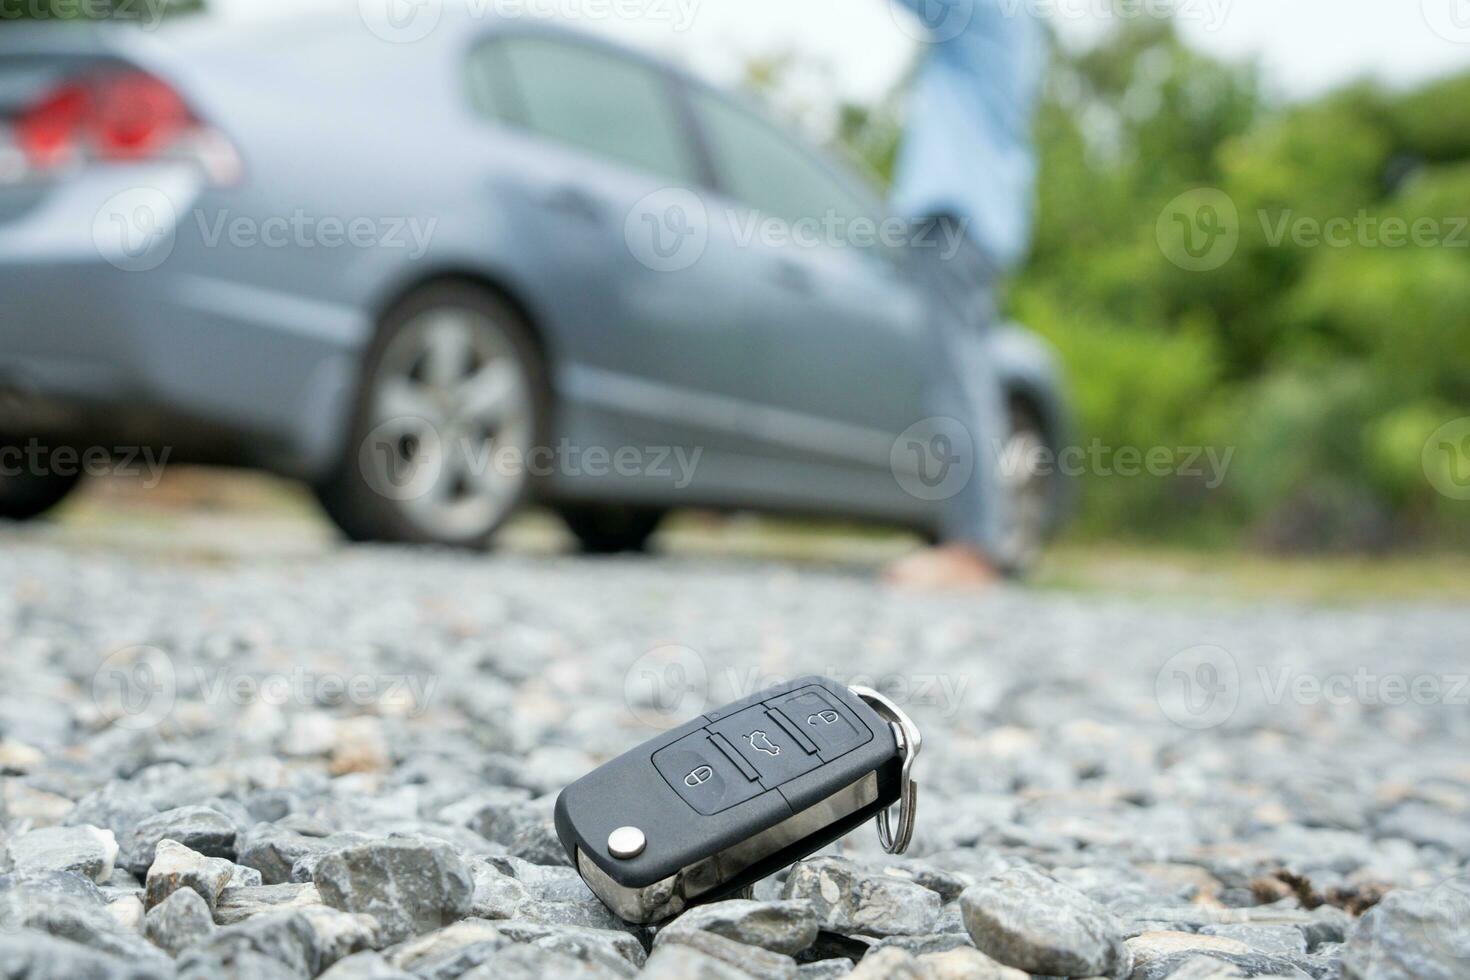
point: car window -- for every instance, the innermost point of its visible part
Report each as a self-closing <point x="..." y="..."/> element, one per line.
<point x="762" y="167"/>
<point x="588" y="98"/>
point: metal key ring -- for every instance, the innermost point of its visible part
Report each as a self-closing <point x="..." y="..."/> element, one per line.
<point x="906" y="734"/>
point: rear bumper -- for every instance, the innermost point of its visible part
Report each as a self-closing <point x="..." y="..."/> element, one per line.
<point x="119" y="322"/>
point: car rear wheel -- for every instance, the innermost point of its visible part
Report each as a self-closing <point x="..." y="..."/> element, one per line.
<point x="25" y="494"/>
<point x="452" y="403"/>
<point x="611" y="530"/>
<point x="1030" y="488"/>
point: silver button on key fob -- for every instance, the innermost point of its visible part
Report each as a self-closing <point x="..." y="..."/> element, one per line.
<point x="708" y="808"/>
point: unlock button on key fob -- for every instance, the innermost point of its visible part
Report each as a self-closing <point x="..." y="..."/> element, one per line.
<point x="704" y="774"/>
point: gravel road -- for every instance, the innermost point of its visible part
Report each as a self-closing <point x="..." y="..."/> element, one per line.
<point x="341" y="763"/>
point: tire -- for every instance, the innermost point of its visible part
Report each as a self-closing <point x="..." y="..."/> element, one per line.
<point x="26" y="495"/>
<point x="611" y="530"/>
<point x="1032" y="492"/>
<point x="453" y="399"/>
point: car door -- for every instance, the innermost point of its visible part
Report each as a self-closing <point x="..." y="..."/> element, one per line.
<point x="646" y="339"/>
<point x="840" y="322"/>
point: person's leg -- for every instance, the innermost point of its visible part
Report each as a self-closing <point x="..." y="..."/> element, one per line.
<point x="963" y="386"/>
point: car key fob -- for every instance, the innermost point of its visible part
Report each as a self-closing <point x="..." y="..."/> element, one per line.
<point x="706" y="809"/>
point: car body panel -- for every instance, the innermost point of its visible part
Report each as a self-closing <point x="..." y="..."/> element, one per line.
<point x="237" y="351"/>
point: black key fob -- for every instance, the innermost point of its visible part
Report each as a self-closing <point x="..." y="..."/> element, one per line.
<point x="704" y="810"/>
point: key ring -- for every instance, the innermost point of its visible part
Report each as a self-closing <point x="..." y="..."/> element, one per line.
<point x="906" y="734"/>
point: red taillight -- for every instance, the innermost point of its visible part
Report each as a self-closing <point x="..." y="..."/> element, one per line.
<point x="137" y="116"/>
<point x="51" y="132"/>
<point x="118" y="116"/>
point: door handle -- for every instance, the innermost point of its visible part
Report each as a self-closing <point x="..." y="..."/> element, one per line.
<point x="575" y="202"/>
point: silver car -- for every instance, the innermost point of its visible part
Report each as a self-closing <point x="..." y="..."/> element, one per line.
<point x="507" y="264"/>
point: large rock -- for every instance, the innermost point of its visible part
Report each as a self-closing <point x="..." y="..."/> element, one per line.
<point x="84" y="850"/>
<point x="366" y="965"/>
<point x="535" y="963"/>
<point x="28" y="954"/>
<point x="178" y="922"/>
<point x="1025" y="919"/>
<point x="890" y="964"/>
<point x="176" y="866"/>
<point x="759" y="963"/>
<point x="967" y="963"/>
<point x="409" y="886"/>
<point x="198" y="828"/>
<point x="677" y="961"/>
<point x="1413" y="935"/>
<point x="782" y="927"/>
<point x="236" y="904"/>
<point x="284" y="855"/>
<point x="615" y="949"/>
<point x="448" y="952"/>
<point x="85" y="922"/>
<point x="285" y="939"/>
<point x="847" y="899"/>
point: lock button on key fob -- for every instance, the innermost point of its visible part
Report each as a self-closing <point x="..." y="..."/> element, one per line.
<point x="737" y="794"/>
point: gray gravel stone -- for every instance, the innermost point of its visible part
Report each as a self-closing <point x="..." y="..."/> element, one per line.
<point x="366" y="965"/>
<point x="1028" y="920"/>
<point x="759" y="963"/>
<point x="179" y="921"/>
<point x="1413" y="935"/>
<point x="285" y="939"/>
<point x="87" y="924"/>
<point x="198" y="828"/>
<point x="1263" y="938"/>
<point x="236" y="904"/>
<point x="967" y="963"/>
<point x="677" y="961"/>
<point x="84" y="850"/>
<point x="782" y="927"/>
<point x="824" y="969"/>
<point x="1039" y="751"/>
<point x="409" y="886"/>
<point x="890" y="964"/>
<point x="29" y="955"/>
<point x="614" y="949"/>
<point x="176" y="866"/>
<point x="847" y="899"/>
<point x="535" y="963"/>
